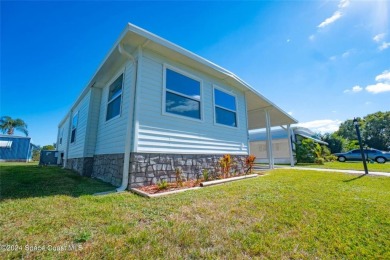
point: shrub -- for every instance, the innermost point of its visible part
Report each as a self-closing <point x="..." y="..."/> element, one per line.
<point x="162" y="185"/>
<point x="330" y="158"/>
<point x="225" y="162"/>
<point x="319" y="161"/>
<point x="179" y="180"/>
<point x="206" y="175"/>
<point x="249" y="162"/>
<point x="306" y="151"/>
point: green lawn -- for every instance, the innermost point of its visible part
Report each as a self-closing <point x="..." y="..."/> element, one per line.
<point x="286" y="214"/>
<point x="376" y="167"/>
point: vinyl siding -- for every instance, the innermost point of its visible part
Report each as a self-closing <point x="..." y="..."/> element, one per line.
<point x="93" y="122"/>
<point x="64" y="130"/>
<point x="160" y="132"/>
<point x="111" y="134"/>
<point x="77" y="148"/>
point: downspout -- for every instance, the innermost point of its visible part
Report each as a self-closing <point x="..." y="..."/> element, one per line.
<point x="126" y="161"/>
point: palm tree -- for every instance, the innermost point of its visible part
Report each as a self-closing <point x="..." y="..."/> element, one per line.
<point x="9" y="125"/>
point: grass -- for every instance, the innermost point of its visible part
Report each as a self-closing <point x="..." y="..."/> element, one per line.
<point x="377" y="167"/>
<point x="286" y="214"/>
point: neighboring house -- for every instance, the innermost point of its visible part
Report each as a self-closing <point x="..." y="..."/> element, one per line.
<point x="152" y="107"/>
<point x="15" y="148"/>
<point x="283" y="150"/>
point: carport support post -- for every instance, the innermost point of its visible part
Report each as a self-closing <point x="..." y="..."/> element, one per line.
<point x="269" y="140"/>
<point x="290" y="145"/>
<point x="356" y="124"/>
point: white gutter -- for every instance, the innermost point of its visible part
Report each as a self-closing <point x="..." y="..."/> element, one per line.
<point x="126" y="161"/>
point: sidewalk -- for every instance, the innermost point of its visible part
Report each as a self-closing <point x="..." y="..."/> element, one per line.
<point x="387" y="174"/>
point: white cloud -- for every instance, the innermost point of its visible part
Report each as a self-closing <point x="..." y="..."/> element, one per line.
<point x="379" y="37"/>
<point x="290" y="113"/>
<point x="357" y="88"/>
<point x="385" y="76"/>
<point x="322" y="126"/>
<point x="337" y="15"/>
<point x="343" y="3"/>
<point x="312" y="37"/>
<point x="382" y="83"/>
<point x="346" y="54"/>
<point x="378" y="88"/>
<point x="354" y="89"/>
<point x="384" y="46"/>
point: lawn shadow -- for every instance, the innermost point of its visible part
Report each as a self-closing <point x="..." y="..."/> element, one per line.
<point x="28" y="181"/>
<point x="358" y="177"/>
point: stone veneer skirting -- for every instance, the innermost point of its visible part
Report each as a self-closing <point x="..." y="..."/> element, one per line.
<point x="150" y="168"/>
<point x="109" y="168"/>
<point x="81" y="165"/>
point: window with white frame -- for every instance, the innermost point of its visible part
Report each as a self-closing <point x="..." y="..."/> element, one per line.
<point x="114" y="98"/>
<point x="74" y="127"/>
<point x="225" y="108"/>
<point x="61" y="135"/>
<point x="182" y="95"/>
<point x="5" y="144"/>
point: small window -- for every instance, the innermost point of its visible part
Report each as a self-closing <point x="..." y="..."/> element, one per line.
<point x="182" y="96"/>
<point x="5" y="144"/>
<point x="225" y="108"/>
<point x="114" y="98"/>
<point x="61" y="135"/>
<point x="74" y="127"/>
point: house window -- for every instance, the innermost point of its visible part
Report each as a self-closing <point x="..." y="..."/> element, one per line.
<point x="74" y="127"/>
<point x="114" y="98"/>
<point x="182" y="95"/>
<point x="225" y="108"/>
<point x="5" y="144"/>
<point x="61" y="135"/>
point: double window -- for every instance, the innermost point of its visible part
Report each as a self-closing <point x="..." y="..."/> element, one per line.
<point x="182" y="95"/>
<point x="114" y="98"/>
<point x="225" y="108"/>
<point x="74" y="127"/>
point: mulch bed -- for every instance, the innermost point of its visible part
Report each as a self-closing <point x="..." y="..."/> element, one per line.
<point x="153" y="189"/>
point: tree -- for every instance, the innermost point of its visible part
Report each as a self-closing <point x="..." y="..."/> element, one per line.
<point x="36" y="153"/>
<point x="374" y="128"/>
<point x="335" y="142"/>
<point x="48" y="147"/>
<point x="376" y="133"/>
<point x="347" y="129"/>
<point x="9" y="125"/>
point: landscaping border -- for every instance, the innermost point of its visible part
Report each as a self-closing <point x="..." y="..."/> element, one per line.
<point x="202" y="185"/>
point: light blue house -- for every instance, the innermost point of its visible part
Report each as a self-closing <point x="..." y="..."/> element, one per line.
<point x="15" y="148"/>
<point x="153" y="107"/>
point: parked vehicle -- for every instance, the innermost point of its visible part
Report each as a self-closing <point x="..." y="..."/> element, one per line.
<point x="370" y="154"/>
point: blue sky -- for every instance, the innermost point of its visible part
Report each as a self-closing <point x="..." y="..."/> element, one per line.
<point x="321" y="61"/>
